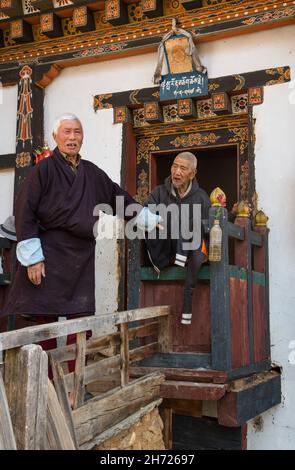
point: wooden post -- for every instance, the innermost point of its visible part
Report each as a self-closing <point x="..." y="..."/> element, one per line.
<point x="26" y="372"/>
<point x="79" y="387"/>
<point x="261" y="264"/>
<point x="63" y="397"/>
<point x="243" y="258"/>
<point x="164" y="334"/>
<point x="124" y="353"/>
<point x="166" y="415"/>
<point x="219" y="293"/>
<point x="133" y="273"/>
<point x="7" y="439"/>
<point x="30" y="122"/>
<point x="58" y="434"/>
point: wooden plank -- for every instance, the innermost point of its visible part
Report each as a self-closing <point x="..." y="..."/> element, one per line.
<point x="96" y="345"/>
<point x="261" y="264"/>
<point x="171" y="274"/>
<point x="103" y="323"/>
<point x="166" y="415"/>
<point x="96" y="371"/>
<point x="243" y="257"/>
<point x="185" y="407"/>
<point x="192" y="391"/>
<point x="220" y="301"/>
<point x="26" y="372"/>
<point x="235" y="231"/>
<point x="124" y="354"/>
<point x="110" y="365"/>
<point x="239" y="322"/>
<point x="181" y="360"/>
<point x="251" y="369"/>
<point x="260" y="324"/>
<point x="93" y="346"/>
<point x="190" y="375"/>
<point x="79" y="387"/>
<point x="256" y="239"/>
<point x="247" y="400"/>
<point x="100" y="413"/>
<point x="196" y="339"/>
<point x="122" y="425"/>
<point x="143" y="352"/>
<point x="63" y="398"/>
<point x="7" y="439"/>
<point x="58" y="436"/>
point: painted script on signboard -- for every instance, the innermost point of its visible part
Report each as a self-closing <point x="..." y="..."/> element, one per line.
<point x="183" y="85"/>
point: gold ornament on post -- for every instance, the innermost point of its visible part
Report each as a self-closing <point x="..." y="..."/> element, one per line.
<point x="260" y="219"/>
<point x="218" y="198"/>
<point x="243" y="209"/>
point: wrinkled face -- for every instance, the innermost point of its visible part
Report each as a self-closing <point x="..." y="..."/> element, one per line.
<point x="69" y="137"/>
<point x="182" y="173"/>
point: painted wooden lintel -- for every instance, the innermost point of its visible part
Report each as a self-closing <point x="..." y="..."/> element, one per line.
<point x="229" y="83"/>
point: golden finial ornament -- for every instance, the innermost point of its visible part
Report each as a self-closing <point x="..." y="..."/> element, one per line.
<point x="243" y="209"/>
<point x="260" y="219"/>
<point x="218" y="198"/>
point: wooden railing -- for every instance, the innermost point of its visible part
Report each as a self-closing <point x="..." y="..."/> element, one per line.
<point x="237" y="301"/>
<point x="228" y="298"/>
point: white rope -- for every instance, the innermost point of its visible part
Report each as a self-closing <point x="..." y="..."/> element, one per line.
<point x="191" y="50"/>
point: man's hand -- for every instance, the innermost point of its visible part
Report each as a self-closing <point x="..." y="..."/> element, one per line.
<point x="35" y="273"/>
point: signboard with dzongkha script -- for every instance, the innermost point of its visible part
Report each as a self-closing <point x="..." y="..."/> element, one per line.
<point x="183" y="85"/>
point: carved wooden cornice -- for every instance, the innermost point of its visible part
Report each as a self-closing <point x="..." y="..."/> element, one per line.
<point x="211" y="124"/>
<point x="229" y="96"/>
<point x="223" y="20"/>
<point x="229" y="83"/>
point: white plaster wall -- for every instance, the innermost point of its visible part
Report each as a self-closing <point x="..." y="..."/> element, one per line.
<point x="8" y="108"/>
<point x="73" y="90"/>
<point x="275" y="182"/>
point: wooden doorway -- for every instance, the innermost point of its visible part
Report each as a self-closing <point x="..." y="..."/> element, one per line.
<point x="217" y="166"/>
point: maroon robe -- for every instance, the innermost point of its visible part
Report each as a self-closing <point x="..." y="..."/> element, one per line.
<point x="56" y="205"/>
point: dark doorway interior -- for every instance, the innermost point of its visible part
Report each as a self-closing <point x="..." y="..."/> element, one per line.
<point x="190" y="433"/>
<point x="217" y="166"/>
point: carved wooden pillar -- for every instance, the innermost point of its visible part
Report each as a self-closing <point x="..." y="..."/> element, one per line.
<point x="29" y="131"/>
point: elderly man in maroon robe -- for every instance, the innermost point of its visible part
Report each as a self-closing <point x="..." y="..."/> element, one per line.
<point x="54" y="225"/>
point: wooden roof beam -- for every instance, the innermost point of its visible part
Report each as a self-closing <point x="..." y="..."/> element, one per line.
<point x="116" y="12"/>
<point x="42" y="5"/>
<point x="11" y="7"/>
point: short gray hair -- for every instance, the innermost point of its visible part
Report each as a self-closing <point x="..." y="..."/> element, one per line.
<point x="64" y="117"/>
<point x="190" y="157"/>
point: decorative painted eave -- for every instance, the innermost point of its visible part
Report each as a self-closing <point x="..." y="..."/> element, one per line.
<point x="219" y="21"/>
<point x="229" y="83"/>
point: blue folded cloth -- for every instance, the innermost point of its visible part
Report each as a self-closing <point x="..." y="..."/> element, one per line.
<point x="147" y="220"/>
<point x="29" y="252"/>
